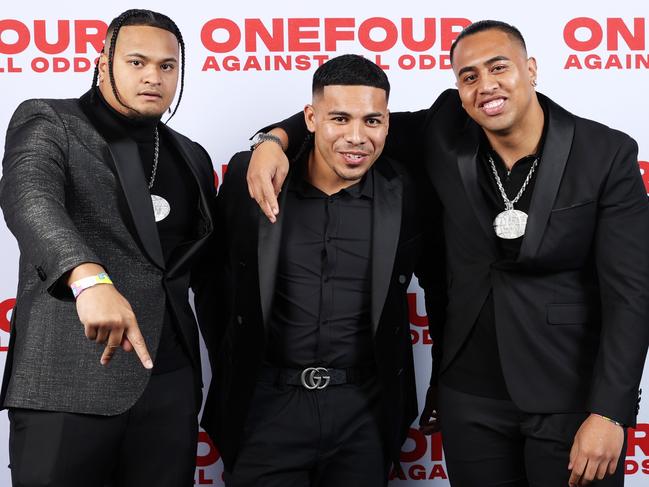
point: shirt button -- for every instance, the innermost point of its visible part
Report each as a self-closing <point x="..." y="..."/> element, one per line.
<point x="240" y="319"/>
<point x="402" y="279"/>
<point x="397" y="330"/>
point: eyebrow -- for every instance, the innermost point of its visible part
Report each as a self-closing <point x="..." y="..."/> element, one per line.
<point x="486" y="63"/>
<point x="345" y="114"/>
<point x="142" y="56"/>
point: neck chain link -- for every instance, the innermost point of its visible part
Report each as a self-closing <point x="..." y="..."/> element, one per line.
<point x="156" y="149"/>
<point x="509" y="204"/>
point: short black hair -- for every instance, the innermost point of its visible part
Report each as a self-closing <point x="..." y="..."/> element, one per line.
<point x="348" y="70"/>
<point x="146" y="18"/>
<point x="483" y="25"/>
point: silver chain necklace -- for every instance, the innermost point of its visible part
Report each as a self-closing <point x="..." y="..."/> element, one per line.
<point x="161" y="207"/>
<point x="511" y="223"/>
<point x="156" y="152"/>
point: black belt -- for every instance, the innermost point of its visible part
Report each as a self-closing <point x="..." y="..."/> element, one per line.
<point x="316" y="377"/>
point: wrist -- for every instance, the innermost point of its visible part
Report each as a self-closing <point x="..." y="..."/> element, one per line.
<point x="261" y="137"/>
<point x="606" y="418"/>
<point x="84" y="283"/>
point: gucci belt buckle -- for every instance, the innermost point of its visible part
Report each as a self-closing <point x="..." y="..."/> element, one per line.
<point x="315" y="378"/>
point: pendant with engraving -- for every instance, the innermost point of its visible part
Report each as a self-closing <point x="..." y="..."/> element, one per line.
<point x="510" y="224"/>
<point x="161" y="207"/>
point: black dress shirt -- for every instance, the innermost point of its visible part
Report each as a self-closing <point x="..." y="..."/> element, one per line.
<point x="321" y="307"/>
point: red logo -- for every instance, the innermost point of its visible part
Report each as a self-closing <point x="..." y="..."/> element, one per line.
<point x="637" y="439"/>
<point x="615" y="43"/>
<point x="644" y="171"/>
<point x="207" y="455"/>
<point x="301" y="43"/>
<point x="6" y="307"/>
<point x="419" y="332"/>
<point x="416" y="454"/>
<point x="52" y="38"/>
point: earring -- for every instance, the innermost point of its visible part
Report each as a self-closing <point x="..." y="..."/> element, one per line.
<point x="534" y="83"/>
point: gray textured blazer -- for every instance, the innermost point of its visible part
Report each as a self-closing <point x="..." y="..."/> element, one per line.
<point x="70" y="196"/>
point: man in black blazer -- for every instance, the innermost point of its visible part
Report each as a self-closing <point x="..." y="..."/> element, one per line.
<point x="313" y="380"/>
<point x="98" y="190"/>
<point x="540" y="348"/>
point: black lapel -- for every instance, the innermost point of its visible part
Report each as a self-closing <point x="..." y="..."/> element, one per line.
<point x="467" y="159"/>
<point x="126" y="163"/>
<point x="185" y="251"/>
<point x="129" y="169"/>
<point x="386" y="228"/>
<point x="268" y="245"/>
<point x="556" y="149"/>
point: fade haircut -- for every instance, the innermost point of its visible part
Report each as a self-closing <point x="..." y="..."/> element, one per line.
<point x="350" y="70"/>
<point x="483" y="25"/>
<point x="140" y="17"/>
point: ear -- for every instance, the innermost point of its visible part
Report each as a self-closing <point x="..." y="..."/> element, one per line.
<point x="103" y="67"/>
<point x="387" y="120"/>
<point x="309" y="118"/>
<point x="532" y="69"/>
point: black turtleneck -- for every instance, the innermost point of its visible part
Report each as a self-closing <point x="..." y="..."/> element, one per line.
<point x="176" y="184"/>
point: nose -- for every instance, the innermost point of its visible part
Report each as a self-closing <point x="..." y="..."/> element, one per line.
<point x="356" y="133"/>
<point x="487" y="83"/>
<point x="151" y="75"/>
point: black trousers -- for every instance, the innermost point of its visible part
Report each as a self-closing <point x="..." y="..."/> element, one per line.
<point x="153" y="443"/>
<point x="490" y="442"/>
<point x="299" y="438"/>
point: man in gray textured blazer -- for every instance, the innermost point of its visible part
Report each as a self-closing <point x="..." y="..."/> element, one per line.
<point x="112" y="208"/>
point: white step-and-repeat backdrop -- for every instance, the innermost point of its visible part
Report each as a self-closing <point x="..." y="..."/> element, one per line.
<point x="251" y="62"/>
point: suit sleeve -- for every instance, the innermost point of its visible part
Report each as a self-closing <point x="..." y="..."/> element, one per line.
<point x="32" y="196"/>
<point x="207" y="266"/>
<point x="431" y="268"/>
<point x="622" y="262"/>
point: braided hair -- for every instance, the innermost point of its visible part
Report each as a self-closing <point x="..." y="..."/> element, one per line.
<point x="140" y="17"/>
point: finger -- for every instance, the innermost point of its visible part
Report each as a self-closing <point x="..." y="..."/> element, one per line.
<point x="90" y="332"/>
<point x="127" y="346"/>
<point x="102" y="335"/>
<point x="579" y="467"/>
<point x="589" y="472"/>
<point x="114" y="342"/>
<point x="137" y="340"/>
<point x="573" y="456"/>
<point x="278" y="180"/>
<point x="268" y="194"/>
<point x="612" y="466"/>
<point x="601" y="470"/>
<point x="430" y="428"/>
<point x="268" y="211"/>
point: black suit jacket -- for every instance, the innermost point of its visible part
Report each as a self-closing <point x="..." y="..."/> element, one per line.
<point x="251" y="249"/>
<point x="572" y="313"/>
<point x="71" y="195"/>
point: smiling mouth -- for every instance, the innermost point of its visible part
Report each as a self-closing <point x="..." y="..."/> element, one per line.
<point x="353" y="158"/>
<point x="493" y="107"/>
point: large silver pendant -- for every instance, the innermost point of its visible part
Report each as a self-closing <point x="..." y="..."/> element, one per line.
<point x="161" y="207"/>
<point x="510" y="224"/>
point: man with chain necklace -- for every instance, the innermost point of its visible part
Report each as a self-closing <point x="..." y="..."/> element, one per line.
<point x="111" y="209"/>
<point x="539" y="350"/>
